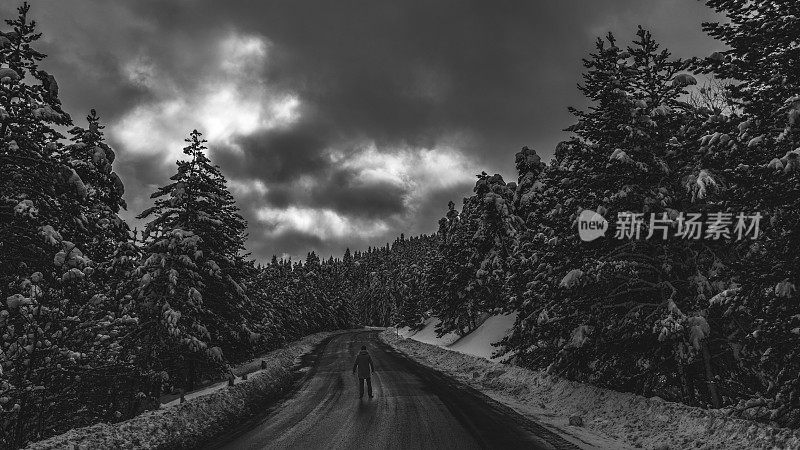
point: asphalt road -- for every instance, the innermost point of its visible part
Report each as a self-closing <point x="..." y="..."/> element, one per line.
<point x="414" y="407"/>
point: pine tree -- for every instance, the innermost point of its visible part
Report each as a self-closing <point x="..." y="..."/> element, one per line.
<point x="264" y="288"/>
<point x="91" y="159"/>
<point x="455" y="303"/>
<point x="415" y="298"/>
<point x="589" y="309"/>
<point x="190" y="298"/>
<point x="761" y="161"/>
<point x="54" y="331"/>
<point x="498" y="227"/>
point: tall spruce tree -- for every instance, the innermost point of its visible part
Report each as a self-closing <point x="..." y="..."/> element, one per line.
<point x="476" y="246"/>
<point x="452" y="271"/>
<point x="760" y="309"/>
<point x="55" y="332"/>
<point x="594" y="310"/>
<point x="91" y="157"/>
<point x="191" y="297"/>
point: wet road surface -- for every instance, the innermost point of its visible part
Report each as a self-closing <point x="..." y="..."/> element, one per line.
<point x="414" y="407"/>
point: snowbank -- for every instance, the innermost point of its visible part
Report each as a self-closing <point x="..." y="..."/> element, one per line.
<point x="205" y="413"/>
<point x="427" y="334"/>
<point x="248" y="368"/>
<point x="479" y="342"/>
<point x="611" y="419"/>
<point x="476" y="343"/>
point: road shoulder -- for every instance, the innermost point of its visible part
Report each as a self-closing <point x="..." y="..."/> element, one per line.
<point x="609" y="419"/>
<point x="197" y="421"/>
<point x="479" y="373"/>
<point x="491" y="422"/>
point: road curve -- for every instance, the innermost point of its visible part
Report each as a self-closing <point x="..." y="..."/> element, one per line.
<point x="414" y="407"/>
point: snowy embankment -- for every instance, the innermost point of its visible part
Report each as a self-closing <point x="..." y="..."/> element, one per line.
<point x="476" y="343"/>
<point x="609" y="419"/>
<point x="205" y="413"/>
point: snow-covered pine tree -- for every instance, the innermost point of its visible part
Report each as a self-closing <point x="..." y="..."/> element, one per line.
<point x="345" y="286"/>
<point x="313" y="297"/>
<point x="414" y="265"/>
<point x="451" y="272"/>
<point x="493" y="243"/>
<point x="191" y="303"/>
<point x="54" y="332"/>
<point x="475" y="247"/>
<point x="301" y="295"/>
<point x="107" y="240"/>
<point x="330" y="284"/>
<point x="760" y="308"/>
<point x="588" y="308"/>
<point x="106" y="291"/>
<point x="266" y="289"/>
<point x="523" y="265"/>
<point x="91" y="158"/>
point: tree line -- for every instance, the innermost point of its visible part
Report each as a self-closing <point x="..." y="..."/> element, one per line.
<point x="710" y="319"/>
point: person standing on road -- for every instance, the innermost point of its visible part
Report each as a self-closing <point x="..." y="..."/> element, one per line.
<point x="365" y="368"/>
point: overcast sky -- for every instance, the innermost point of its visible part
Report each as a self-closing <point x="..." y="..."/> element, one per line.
<point x="337" y="123"/>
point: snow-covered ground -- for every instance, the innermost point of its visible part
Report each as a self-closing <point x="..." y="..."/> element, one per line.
<point x="477" y="343"/>
<point x="610" y="419"/>
<point x="427" y="334"/>
<point x="250" y="368"/>
<point x="205" y="413"/>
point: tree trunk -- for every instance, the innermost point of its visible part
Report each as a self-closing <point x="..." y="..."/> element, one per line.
<point x="685" y="397"/>
<point x="712" y="385"/>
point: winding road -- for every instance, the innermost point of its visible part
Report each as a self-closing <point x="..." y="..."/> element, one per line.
<point x="414" y="407"/>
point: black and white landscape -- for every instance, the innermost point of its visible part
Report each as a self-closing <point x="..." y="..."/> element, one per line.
<point x="538" y="225"/>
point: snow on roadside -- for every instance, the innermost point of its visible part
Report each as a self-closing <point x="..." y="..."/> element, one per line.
<point x="201" y="417"/>
<point x="611" y="419"/>
<point x="427" y="334"/>
<point x="479" y="342"/>
<point x="250" y="368"/>
<point x="476" y="343"/>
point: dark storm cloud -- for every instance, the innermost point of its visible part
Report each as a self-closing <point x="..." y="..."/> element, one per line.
<point x="482" y="78"/>
<point x="345" y="196"/>
<point x="279" y="155"/>
<point x="341" y="192"/>
<point x="413" y="70"/>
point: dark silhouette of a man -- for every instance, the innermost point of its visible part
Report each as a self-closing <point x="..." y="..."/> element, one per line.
<point x="364" y="367"/>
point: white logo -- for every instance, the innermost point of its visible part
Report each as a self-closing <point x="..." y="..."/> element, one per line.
<point x="591" y="225"/>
